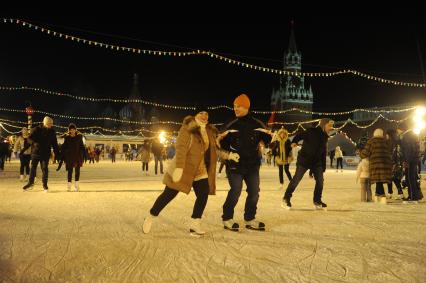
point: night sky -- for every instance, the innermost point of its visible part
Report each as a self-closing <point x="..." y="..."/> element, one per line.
<point x="381" y="48"/>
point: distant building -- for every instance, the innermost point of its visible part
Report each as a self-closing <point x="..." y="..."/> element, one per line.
<point x="133" y="111"/>
<point x="292" y="91"/>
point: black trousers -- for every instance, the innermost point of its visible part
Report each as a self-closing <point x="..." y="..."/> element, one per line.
<point x="44" y="162"/>
<point x="339" y="160"/>
<point x="201" y="189"/>
<point x="281" y="173"/>
<point x="25" y="164"/>
<point x="144" y="166"/>
<point x="319" y="182"/>
<point x="77" y="174"/>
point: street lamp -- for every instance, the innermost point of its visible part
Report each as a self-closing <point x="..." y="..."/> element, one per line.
<point x="30" y="112"/>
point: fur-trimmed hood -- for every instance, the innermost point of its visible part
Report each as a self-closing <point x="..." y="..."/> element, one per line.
<point x="194" y="128"/>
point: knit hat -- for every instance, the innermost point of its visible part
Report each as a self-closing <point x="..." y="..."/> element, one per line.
<point x="72" y="126"/>
<point x="201" y="108"/>
<point x="243" y="101"/>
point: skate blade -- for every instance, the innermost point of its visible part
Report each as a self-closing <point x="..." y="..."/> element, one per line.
<point x="320" y="208"/>
<point x="254" y="228"/>
<point x="195" y="235"/>
<point x="232" y="229"/>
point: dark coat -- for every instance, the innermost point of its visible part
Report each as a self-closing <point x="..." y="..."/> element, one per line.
<point x="410" y="147"/>
<point x="314" y="148"/>
<point x="73" y="151"/>
<point x="189" y="154"/>
<point x="245" y="142"/>
<point x="42" y="140"/>
<point x="378" y="150"/>
<point x="276" y="151"/>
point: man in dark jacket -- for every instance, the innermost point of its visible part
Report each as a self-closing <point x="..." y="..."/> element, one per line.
<point x="41" y="139"/>
<point x="4" y="147"/>
<point x="410" y="153"/>
<point x="157" y="150"/>
<point x="242" y="136"/>
<point x="312" y="156"/>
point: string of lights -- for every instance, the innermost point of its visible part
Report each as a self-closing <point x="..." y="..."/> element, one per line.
<point x="85" y="128"/>
<point x="210" y="54"/>
<point x="34" y="91"/>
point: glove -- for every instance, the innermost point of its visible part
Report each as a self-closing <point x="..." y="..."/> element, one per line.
<point x="234" y="156"/>
<point x="177" y="174"/>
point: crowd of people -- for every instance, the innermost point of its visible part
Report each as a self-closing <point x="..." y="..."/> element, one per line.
<point x="388" y="158"/>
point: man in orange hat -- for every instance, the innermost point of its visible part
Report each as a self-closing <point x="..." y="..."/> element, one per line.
<point x="242" y="135"/>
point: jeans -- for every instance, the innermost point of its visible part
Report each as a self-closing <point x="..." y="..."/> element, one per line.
<point x="236" y="183"/>
<point x="158" y="159"/>
<point x="319" y="182"/>
<point x="45" y="171"/>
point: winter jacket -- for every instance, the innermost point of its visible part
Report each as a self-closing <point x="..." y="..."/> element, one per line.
<point x="20" y="144"/>
<point x="378" y="151"/>
<point x="282" y="155"/>
<point x="245" y="141"/>
<point x="363" y="170"/>
<point x="190" y="152"/>
<point x="42" y="139"/>
<point x="73" y="151"/>
<point x="410" y="147"/>
<point x="314" y="148"/>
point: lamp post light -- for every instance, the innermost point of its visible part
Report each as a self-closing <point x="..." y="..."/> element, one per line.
<point x="30" y="112"/>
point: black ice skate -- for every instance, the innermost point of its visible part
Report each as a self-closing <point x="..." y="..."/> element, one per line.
<point x="231" y="225"/>
<point x="320" y="206"/>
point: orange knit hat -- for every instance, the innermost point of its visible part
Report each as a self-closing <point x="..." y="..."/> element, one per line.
<point x="242" y="100"/>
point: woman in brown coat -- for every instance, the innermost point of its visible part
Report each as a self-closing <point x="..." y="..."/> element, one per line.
<point x="378" y="150"/>
<point x="194" y="165"/>
<point x="73" y="151"/>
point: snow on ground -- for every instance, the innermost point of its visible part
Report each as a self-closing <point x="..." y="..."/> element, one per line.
<point x="95" y="235"/>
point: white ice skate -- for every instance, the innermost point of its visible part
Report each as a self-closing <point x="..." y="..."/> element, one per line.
<point x="195" y="227"/>
<point x="69" y="186"/>
<point x="77" y="186"/>
<point x="231" y="225"/>
<point x="147" y="223"/>
<point x="255" y="225"/>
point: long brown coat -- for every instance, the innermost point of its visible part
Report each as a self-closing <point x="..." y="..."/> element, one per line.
<point x="378" y="151"/>
<point x="189" y="153"/>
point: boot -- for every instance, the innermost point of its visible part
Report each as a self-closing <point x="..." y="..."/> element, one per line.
<point x="231" y="225"/>
<point x="69" y="186"/>
<point x="147" y="223"/>
<point x="255" y="225"/>
<point x="77" y="187"/>
<point x="21" y="178"/>
<point x="195" y="227"/>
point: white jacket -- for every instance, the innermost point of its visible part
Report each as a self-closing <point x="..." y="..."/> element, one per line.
<point x="363" y="170"/>
<point x="19" y="145"/>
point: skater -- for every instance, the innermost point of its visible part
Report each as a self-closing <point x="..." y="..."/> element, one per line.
<point x="363" y="175"/>
<point x="311" y="156"/>
<point x="41" y="139"/>
<point x="189" y="169"/>
<point x="410" y="149"/>
<point x="243" y="135"/>
<point x="332" y="153"/>
<point x="145" y="156"/>
<point x="73" y="151"/>
<point x="281" y="149"/>
<point x="113" y="153"/>
<point x="157" y="150"/>
<point x="24" y="157"/>
<point x="339" y="158"/>
<point x="378" y="151"/>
